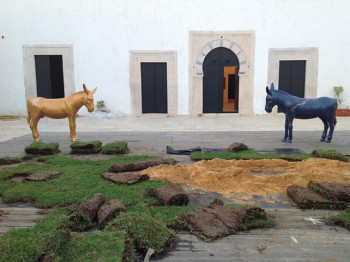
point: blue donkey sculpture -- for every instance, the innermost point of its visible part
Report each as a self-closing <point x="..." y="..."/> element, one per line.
<point x="302" y="108"/>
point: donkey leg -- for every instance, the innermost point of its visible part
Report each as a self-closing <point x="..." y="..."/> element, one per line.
<point x="332" y="124"/>
<point x="324" y="134"/>
<point x="72" y="128"/>
<point x="290" y="131"/>
<point x="34" y="127"/>
<point x="284" y="139"/>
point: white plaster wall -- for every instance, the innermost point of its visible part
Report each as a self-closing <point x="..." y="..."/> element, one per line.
<point x="103" y="31"/>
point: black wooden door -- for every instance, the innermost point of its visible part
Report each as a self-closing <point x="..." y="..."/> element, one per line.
<point x="154" y="88"/>
<point x="49" y="76"/>
<point x="292" y="77"/>
<point x="213" y="80"/>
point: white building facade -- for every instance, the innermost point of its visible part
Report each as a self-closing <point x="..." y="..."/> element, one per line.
<point x="173" y="57"/>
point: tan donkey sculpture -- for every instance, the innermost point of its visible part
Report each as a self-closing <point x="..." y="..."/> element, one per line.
<point x="40" y="107"/>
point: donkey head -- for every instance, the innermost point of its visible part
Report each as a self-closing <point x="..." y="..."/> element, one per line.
<point x="89" y="99"/>
<point x="270" y="99"/>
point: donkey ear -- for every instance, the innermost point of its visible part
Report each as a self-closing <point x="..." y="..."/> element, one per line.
<point x="85" y="89"/>
<point x="268" y="91"/>
<point x="272" y="86"/>
<point x="94" y="91"/>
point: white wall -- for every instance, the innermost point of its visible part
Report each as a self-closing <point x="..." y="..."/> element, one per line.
<point x="103" y="31"/>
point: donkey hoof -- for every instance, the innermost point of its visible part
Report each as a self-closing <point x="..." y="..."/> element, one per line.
<point x="328" y="141"/>
<point x="322" y="140"/>
<point x="37" y="139"/>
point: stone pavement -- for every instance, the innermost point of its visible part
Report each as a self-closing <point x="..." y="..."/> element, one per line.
<point x="151" y="134"/>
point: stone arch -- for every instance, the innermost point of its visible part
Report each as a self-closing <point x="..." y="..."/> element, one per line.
<point x="242" y="58"/>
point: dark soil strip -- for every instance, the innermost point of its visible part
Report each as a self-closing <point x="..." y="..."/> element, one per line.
<point x="305" y="198"/>
<point x="171" y="194"/>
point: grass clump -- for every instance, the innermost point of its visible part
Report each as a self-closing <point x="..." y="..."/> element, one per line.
<point x="247" y="155"/>
<point x="40" y="148"/>
<point x="257" y="219"/>
<point x="92" y="147"/>
<point x="342" y="219"/>
<point x="167" y="214"/>
<point x="115" y="148"/>
<point x="30" y="244"/>
<point x="8" y="117"/>
<point x="146" y="231"/>
<point x="330" y="154"/>
<point x="105" y="246"/>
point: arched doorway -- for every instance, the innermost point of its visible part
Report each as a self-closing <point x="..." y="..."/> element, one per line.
<point x="220" y="81"/>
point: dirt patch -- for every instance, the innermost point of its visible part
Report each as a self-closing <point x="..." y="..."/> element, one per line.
<point x="42" y="176"/>
<point x="126" y="178"/>
<point x="229" y="177"/>
<point x="171" y="194"/>
<point x="116" y="168"/>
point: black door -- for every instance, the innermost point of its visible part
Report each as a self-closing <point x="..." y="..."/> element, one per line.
<point x="49" y="76"/>
<point x="292" y="77"/>
<point x="213" y="80"/>
<point x="154" y="88"/>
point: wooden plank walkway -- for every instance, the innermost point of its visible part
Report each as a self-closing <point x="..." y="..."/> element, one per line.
<point x="298" y="236"/>
<point x="19" y="217"/>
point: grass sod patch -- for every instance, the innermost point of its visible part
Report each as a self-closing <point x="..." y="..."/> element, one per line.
<point x="146" y="231"/>
<point x="40" y="148"/>
<point x="99" y="246"/>
<point x="319" y="190"/>
<point x="9" y="117"/>
<point x="15" y="160"/>
<point x="249" y="154"/>
<point x="30" y="244"/>
<point x="79" y="180"/>
<point x="115" y="148"/>
<point x="257" y="220"/>
<point x="80" y="147"/>
<point x="342" y="219"/>
<point x="330" y="154"/>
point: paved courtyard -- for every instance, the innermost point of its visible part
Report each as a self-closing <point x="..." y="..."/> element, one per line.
<point x="298" y="236"/>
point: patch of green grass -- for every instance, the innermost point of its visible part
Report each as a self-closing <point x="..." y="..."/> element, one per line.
<point x="40" y="148"/>
<point x="246" y="155"/>
<point x="115" y="148"/>
<point x="29" y="244"/>
<point x="99" y="246"/>
<point x="79" y="180"/>
<point x="146" y="231"/>
<point x="342" y="219"/>
<point x="167" y="214"/>
<point x="330" y="154"/>
<point x="80" y="147"/>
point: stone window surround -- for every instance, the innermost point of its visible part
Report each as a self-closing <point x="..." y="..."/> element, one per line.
<point x="138" y="57"/>
<point x="309" y="54"/>
<point x="29" y="51"/>
<point x="242" y="43"/>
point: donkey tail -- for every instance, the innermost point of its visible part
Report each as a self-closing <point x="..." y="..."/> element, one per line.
<point x="29" y="117"/>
